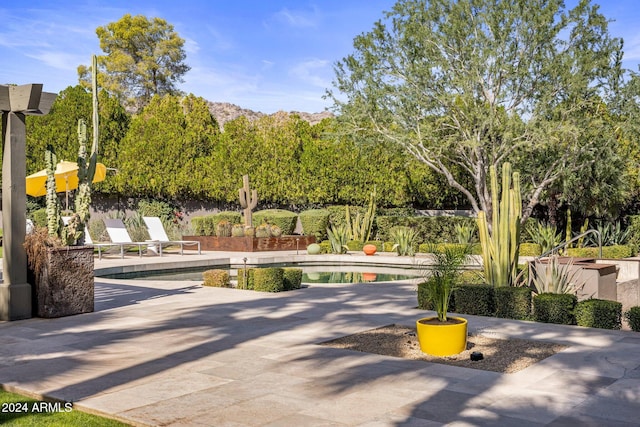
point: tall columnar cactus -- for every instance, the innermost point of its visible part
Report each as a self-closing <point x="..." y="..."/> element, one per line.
<point x="54" y="220"/>
<point x="501" y="245"/>
<point x="248" y="200"/>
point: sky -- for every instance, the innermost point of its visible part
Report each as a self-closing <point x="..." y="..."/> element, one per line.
<point x="264" y="55"/>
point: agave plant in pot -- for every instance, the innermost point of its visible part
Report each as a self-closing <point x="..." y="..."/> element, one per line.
<point x="442" y="335"/>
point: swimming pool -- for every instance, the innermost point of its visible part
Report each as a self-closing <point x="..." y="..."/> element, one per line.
<point x="310" y="274"/>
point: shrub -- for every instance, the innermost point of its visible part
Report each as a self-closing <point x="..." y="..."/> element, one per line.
<point x="315" y="222"/>
<point x="217" y="278"/>
<point x="599" y="313"/>
<point x="513" y="302"/>
<point x="284" y="219"/>
<point x="554" y="308"/>
<point x="354" y="245"/>
<point x="292" y="278"/>
<point x="474" y="299"/>
<point x="249" y="282"/>
<point x="161" y="209"/>
<point x="530" y="249"/>
<point x="610" y="252"/>
<point x="269" y="279"/>
<point x="424" y="248"/>
<point x="633" y="317"/>
<point x="436" y="229"/>
<point x="325" y="245"/>
<point x="39" y="217"/>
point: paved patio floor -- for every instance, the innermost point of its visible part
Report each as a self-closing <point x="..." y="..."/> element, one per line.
<point x="176" y="353"/>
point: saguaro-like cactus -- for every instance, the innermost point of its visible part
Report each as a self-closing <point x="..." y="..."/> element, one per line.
<point x="501" y="245"/>
<point x="248" y="200"/>
<point x="54" y="220"/>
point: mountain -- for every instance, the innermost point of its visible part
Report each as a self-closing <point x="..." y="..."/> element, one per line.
<point x="224" y="111"/>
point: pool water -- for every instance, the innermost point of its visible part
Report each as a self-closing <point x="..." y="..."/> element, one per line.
<point x="325" y="274"/>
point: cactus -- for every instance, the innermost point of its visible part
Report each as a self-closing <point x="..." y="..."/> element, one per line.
<point x="73" y="232"/>
<point x="275" y="231"/>
<point x="223" y="229"/>
<point x="248" y="200"/>
<point x="263" y="230"/>
<point x="360" y="228"/>
<point x="501" y="245"/>
<point x="237" y="230"/>
<point x="54" y="220"/>
<point x="250" y="231"/>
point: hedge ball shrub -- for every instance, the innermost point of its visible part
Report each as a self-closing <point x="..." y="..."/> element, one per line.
<point x="292" y="278"/>
<point x="530" y="249"/>
<point x="248" y="281"/>
<point x="513" y="302"/>
<point x="284" y="219"/>
<point x="633" y="317"/>
<point x="474" y="299"/>
<point x="216" y="278"/>
<point x="270" y="279"/>
<point x="554" y="308"/>
<point x="599" y="313"/>
<point x="315" y="222"/>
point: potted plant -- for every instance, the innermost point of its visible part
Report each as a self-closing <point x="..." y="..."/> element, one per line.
<point x="442" y="335"/>
<point x="60" y="265"/>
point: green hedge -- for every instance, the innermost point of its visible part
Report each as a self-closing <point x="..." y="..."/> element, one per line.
<point x="474" y="299"/>
<point x="325" y="245"/>
<point x="217" y="278"/>
<point x="609" y="252"/>
<point x="206" y="225"/>
<point x="292" y="278"/>
<point x="430" y="229"/>
<point x="249" y="282"/>
<point x="530" y="249"/>
<point x="599" y="313"/>
<point x="425" y="248"/>
<point x="633" y="222"/>
<point x="284" y="219"/>
<point x="269" y="279"/>
<point x="554" y="308"/>
<point x="315" y="222"/>
<point x="633" y="317"/>
<point x="513" y="302"/>
<point x="39" y="217"/>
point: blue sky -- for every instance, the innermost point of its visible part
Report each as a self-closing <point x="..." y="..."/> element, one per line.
<point x="265" y="55"/>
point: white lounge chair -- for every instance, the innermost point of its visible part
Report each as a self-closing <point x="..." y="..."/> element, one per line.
<point x="159" y="236"/>
<point x="120" y="236"/>
<point x="88" y="241"/>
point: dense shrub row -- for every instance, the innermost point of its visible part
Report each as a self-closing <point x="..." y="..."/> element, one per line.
<point x="270" y="279"/>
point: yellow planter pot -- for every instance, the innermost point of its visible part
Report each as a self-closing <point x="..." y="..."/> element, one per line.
<point x="442" y="339"/>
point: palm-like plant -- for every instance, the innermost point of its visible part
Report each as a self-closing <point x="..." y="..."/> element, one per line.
<point x="545" y="235"/>
<point x="442" y="273"/>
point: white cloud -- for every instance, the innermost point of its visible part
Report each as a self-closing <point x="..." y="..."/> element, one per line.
<point x="60" y="60"/>
<point x="313" y="71"/>
<point x="297" y="19"/>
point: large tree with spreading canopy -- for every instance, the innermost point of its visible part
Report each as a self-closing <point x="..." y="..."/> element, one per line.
<point x="462" y="85"/>
<point x="143" y="57"/>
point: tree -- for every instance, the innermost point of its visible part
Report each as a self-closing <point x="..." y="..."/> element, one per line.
<point x="143" y="58"/>
<point x="475" y="83"/>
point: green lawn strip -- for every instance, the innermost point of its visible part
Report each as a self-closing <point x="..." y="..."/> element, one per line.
<point x="18" y="410"/>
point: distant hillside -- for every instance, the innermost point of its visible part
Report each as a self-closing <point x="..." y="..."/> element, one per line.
<point x="224" y="111"/>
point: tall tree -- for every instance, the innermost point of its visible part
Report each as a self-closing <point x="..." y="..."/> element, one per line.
<point x="144" y="57"/>
<point x="474" y="83"/>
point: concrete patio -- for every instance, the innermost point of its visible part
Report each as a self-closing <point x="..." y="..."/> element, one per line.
<point x="175" y="353"/>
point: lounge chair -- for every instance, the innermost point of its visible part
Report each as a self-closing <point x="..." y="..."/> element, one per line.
<point x="158" y="234"/>
<point x="88" y="241"/>
<point x="120" y="237"/>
